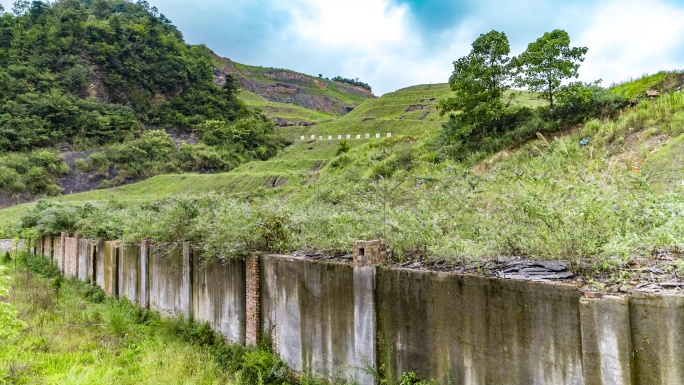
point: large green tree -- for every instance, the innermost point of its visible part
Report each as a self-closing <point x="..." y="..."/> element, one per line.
<point x="547" y="62"/>
<point x="479" y="81"/>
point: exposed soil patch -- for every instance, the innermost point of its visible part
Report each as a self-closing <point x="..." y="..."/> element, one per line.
<point x="317" y="166"/>
<point x="275" y="181"/>
<point x="415" y="107"/>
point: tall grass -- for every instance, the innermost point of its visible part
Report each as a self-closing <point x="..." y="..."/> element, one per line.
<point x="72" y="336"/>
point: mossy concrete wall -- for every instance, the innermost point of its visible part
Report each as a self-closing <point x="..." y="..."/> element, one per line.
<point x="606" y="341"/>
<point x="71" y="257"/>
<point x="86" y="260"/>
<point x="332" y="319"/>
<point x="110" y="257"/>
<point x="166" y="282"/>
<point x="47" y="247"/>
<point x="219" y="297"/>
<point x="475" y="330"/>
<point x="129" y="271"/>
<point x="657" y="324"/>
<point x="307" y="310"/>
<point x="56" y="249"/>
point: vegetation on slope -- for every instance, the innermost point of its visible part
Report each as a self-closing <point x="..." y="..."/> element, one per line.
<point x="562" y="183"/>
<point x="88" y="74"/>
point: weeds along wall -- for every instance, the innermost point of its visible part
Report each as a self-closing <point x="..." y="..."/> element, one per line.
<point x="365" y="320"/>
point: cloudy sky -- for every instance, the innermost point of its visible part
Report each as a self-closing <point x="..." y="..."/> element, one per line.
<point x="392" y="44"/>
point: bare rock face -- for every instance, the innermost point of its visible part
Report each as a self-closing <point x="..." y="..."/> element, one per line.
<point x="284" y="86"/>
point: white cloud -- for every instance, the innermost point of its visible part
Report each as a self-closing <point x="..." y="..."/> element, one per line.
<point x="365" y="24"/>
<point x="629" y="38"/>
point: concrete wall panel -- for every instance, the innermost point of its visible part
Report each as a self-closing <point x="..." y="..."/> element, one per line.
<point x="606" y="341"/>
<point x="85" y="260"/>
<point x="307" y="309"/>
<point x="47" y="248"/>
<point x="129" y="271"/>
<point x="57" y="251"/>
<point x="166" y="282"/>
<point x="657" y="324"/>
<point x="71" y="258"/>
<point x="474" y="330"/>
<point x="110" y="257"/>
<point x="219" y="297"/>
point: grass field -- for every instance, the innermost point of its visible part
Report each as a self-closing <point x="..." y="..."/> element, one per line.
<point x="72" y="334"/>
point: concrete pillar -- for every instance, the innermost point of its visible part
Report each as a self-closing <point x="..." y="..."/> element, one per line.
<point x="78" y="254"/>
<point x="606" y="341"/>
<point x="365" y="325"/>
<point x="144" y="274"/>
<point x="253" y="318"/>
<point x="186" y="288"/>
<point x="62" y="266"/>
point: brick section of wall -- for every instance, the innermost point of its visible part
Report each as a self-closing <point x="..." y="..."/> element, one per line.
<point x="253" y="317"/>
<point x="368" y="253"/>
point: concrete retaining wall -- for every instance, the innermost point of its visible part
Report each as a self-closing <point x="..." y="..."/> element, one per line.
<point x="57" y="251"/>
<point x="308" y="311"/>
<point x="474" y="330"/>
<point x="331" y="319"/>
<point x="110" y="270"/>
<point x="166" y="282"/>
<point x="8" y="245"/>
<point x="129" y="271"/>
<point x="657" y="324"/>
<point x="219" y="297"/>
<point x="71" y="257"/>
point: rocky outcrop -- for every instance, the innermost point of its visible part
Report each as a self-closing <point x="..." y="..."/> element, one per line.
<point x="283" y="86"/>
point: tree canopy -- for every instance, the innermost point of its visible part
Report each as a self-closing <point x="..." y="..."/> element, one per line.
<point x="547" y="62"/>
<point x="96" y="72"/>
<point x="479" y="80"/>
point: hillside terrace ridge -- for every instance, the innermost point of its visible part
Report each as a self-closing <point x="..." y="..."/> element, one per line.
<point x="348" y="136"/>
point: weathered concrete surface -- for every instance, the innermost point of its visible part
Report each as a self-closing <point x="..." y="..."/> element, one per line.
<point x="186" y="284"/>
<point x="365" y="323"/>
<point x="145" y="274"/>
<point x="129" y="271"/>
<point x="71" y="257"/>
<point x="57" y="250"/>
<point x="219" y="297"/>
<point x="47" y="248"/>
<point x="657" y="339"/>
<point x="99" y="269"/>
<point x="606" y="341"/>
<point x="110" y="276"/>
<point x="308" y="310"/>
<point x="473" y="330"/>
<point x="166" y="282"/>
<point x="86" y="262"/>
<point x="8" y="245"/>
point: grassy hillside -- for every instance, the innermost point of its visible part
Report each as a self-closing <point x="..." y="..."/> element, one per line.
<point x="111" y="75"/>
<point x="589" y="194"/>
<point x="406" y="113"/>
